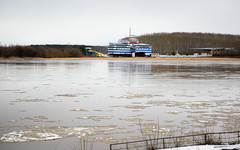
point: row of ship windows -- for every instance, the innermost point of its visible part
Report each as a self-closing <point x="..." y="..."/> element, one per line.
<point x="126" y="45"/>
<point x="129" y="48"/>
<point x="125" y="51"/>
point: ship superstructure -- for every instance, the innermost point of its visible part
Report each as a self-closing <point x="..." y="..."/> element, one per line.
<point x="129" y="46"/>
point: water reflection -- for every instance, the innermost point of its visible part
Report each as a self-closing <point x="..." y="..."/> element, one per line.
<point x="192" y="69"/>
<point x="129" y="67"/>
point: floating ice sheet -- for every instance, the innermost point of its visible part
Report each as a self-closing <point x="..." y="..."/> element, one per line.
<point x="55" y="132"/>
<point x="28" y="136"/>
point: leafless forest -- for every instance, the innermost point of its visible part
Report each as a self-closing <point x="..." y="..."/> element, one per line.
<point x="45" y="51"/>
<point x="168" y="43"/>
<point x="48" y="51"/>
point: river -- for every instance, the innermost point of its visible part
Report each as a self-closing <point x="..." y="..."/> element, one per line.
<point x="50" y="104"/>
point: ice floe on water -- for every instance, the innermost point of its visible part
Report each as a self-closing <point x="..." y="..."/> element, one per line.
<point x="43" y="133"/>
<point x="79" y="110"/>
<point x="30" y="100"/>
<point x="67" y="95"/>
<point x="132" y="106"/>
<point x="28" y="136"/>
<point x="35" y="118"/>
<point x="34" y="100"/>
<point x="173" y="112"/>
<point x="198" y="114"/>
<point x="137" y="95"/>
<point x="74" y="95"/>
<point x="96" y="118"/>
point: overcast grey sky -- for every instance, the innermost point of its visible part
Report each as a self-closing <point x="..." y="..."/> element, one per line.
<point x="99" y="22"/>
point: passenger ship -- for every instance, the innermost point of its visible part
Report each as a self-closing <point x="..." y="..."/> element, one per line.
<point x="129" y="46"/>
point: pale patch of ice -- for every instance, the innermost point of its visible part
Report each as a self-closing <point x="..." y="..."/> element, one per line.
<point x="185" y="107"/>
<point x="67" y="95"/>
<point x="34" y="118"/>
<point x="30" y="100"/>
<point x="56" y="101"/>
<point x="48" y="136"/>
<point x="79" y="129"/>
<point x="202" y="121"/>
<point x="28" y="136"/>
<point x="79" y="110"/>
<point x="13" y="137"/>
<point x="55" y="132"/>
<point x="173" y="112"/>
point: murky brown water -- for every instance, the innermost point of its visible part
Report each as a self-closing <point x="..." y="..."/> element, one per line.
<point x="108" y="100"/>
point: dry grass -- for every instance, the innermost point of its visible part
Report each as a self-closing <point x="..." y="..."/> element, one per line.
<point x="82" y="144"/>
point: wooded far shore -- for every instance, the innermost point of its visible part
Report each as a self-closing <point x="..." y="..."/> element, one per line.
<point x="162" y="43"/>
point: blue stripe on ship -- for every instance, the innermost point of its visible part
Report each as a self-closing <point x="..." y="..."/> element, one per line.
<point x="125" y="48"/>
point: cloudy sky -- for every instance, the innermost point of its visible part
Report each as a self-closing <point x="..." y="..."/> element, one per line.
<point x="99" y="22"/>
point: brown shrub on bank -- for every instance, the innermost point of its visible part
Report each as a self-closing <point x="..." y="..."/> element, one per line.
<point x="41" y="51"/>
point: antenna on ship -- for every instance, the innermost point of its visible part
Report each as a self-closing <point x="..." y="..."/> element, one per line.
<point x="130" y="32"/>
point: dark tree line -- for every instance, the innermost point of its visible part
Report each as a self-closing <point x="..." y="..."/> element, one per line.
<point x="45" y="51"/>
<point x="168" y="43"/>
<point x="48" y="51"/>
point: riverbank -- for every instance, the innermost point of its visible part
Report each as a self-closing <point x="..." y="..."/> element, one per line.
<point x="127" y="58"/>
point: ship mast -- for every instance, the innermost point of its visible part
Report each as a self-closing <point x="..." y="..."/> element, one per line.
<point x="130" y="32"/>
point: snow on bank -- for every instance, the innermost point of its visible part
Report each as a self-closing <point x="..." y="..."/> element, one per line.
<point x="208" y="147"/>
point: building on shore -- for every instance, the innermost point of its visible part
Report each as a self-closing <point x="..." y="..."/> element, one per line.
<point x="129" y="47"/>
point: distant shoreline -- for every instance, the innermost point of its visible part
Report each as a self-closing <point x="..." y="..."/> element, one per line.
<point x="125" y="58"/>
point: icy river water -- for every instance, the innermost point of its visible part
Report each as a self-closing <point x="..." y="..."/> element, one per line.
<point x="49" y="104"/>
